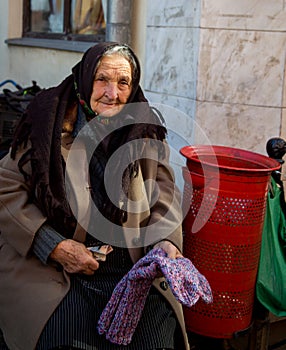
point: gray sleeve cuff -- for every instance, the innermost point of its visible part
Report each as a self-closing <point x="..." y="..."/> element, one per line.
<point x="45" y="241"/>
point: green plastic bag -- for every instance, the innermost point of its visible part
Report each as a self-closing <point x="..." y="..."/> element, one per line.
<point x="271" y="278"/>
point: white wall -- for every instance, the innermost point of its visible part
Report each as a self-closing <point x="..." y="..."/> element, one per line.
<point x="4" y="56"/>
<point x="24" y="64"/>
<point x="47" y="67"/>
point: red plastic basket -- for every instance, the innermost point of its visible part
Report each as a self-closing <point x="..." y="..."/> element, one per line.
<point x="224" y="200"/>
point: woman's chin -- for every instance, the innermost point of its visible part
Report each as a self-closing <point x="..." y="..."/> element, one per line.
<point x="108" y="113"/>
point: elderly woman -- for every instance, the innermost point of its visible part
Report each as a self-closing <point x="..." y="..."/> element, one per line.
<point x="53" y="289"/>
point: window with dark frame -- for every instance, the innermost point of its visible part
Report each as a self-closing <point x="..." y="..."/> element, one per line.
<point x="78" y="20"/>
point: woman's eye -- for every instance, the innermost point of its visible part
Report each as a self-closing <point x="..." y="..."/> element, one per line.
<point x="100" y="77"/>
<point x="124" y="82"/>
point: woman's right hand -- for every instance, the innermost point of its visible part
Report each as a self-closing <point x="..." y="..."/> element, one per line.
<point x="74" y="257"/>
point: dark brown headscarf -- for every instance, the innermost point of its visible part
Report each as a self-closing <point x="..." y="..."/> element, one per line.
<point x="42" y="124"/>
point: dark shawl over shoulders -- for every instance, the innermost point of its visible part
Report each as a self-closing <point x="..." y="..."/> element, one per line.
<point x="42" y="125"/>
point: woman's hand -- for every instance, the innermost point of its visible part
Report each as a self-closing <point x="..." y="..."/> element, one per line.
<point x="172" y="251"/>
<point x="74" y="257"/>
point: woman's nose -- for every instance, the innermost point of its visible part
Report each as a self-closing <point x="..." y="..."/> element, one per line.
<point x="111" y="91"/>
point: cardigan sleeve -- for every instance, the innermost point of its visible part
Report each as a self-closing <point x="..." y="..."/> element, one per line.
<point x="46" y="239"/>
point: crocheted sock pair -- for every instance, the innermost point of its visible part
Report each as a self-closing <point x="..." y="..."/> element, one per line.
<point x="119" y="319"/>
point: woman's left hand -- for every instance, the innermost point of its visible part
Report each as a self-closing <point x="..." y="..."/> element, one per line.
<point x="172" y="251"/>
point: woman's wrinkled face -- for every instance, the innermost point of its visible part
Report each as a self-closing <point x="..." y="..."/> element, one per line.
<point x="112" y="85"/>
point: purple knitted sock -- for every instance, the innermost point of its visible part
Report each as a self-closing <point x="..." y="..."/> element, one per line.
<point x="119" y="319"/>
<point x="110" y="308"/>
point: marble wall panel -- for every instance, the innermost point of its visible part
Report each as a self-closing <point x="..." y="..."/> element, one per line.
<point x="284" y="85"/>
<point x="171" y="61"/>
<point x="244" y="14"/>
<point x="178" y="113"/>
<point x="283" y="123"/>
<point x="242" y="126"/>
<point x="182" y="13"/>
<point x="243" y="67"/>
<point x="184" y="105"/>
<point x="283" y="135"/>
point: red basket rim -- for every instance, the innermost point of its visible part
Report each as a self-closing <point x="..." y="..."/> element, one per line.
<point x="262" y="162"/>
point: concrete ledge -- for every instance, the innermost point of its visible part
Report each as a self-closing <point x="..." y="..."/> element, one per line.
<point x="65" y="45"/>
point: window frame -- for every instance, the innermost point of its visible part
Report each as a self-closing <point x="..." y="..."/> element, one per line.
<point x="65" y="35"/>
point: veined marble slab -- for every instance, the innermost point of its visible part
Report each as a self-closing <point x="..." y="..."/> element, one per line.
<point x="244" y="14"/>
<point x="171" y="61"/>
<point x="182" y="13"/>
<point x="247" y="127"/>
<point x="245" y="67"/>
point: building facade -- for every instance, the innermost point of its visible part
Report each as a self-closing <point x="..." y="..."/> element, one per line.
<point x="217" y="67"/>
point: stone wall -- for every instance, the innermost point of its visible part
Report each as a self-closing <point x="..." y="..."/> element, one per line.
<point x="172" y="44"/>
<point x="222" y="63"/>
<point x="241" y="85"/>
